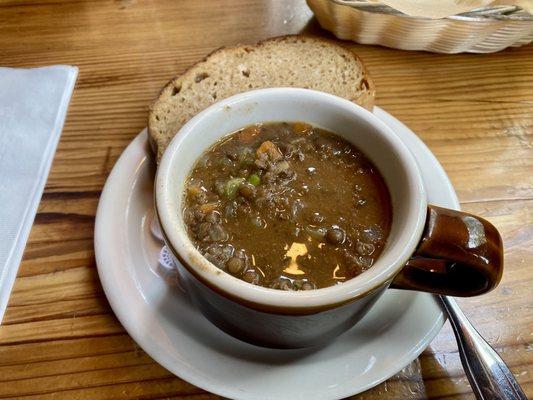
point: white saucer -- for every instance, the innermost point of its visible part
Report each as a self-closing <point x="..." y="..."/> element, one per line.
<point x="163" y="322"/>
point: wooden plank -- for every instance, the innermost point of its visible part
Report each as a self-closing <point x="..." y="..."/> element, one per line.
<point x="63" y="285"/>
<point x="74" y="327"/>
<point x="34" y="352"/>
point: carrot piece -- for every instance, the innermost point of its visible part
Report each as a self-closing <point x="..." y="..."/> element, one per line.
<point x="271" y="150"/>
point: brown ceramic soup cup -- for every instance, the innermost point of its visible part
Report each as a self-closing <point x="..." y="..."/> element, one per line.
<point x="429" y="248"/>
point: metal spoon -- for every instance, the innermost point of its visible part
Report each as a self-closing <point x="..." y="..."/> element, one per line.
<point x="487" y="373"/>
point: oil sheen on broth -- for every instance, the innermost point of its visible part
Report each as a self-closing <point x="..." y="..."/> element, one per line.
<point x="287" y="206"/>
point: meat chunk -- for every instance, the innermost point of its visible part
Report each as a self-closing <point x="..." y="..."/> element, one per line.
<point x="267" y="153"/>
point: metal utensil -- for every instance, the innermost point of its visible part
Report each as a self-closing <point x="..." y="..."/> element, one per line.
<point x="487" y="373"/>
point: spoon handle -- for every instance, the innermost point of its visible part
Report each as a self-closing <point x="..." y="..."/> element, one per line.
<point x="487" y="373"/>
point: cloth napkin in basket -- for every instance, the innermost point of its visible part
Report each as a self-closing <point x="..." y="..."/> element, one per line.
<point x="33" y="106"/>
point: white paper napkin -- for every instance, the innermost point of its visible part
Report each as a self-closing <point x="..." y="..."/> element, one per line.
<point x="33" y="106"/>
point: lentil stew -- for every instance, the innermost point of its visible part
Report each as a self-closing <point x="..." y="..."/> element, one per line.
<point x="287" y="206"/>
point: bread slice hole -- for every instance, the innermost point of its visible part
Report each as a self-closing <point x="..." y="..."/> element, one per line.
<point x="246" y="72"/>
<point x="201" y="76"/>
<point x="176" y="90"/>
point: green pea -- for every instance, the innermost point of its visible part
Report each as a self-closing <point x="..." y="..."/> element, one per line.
<point x="254" y="179"/>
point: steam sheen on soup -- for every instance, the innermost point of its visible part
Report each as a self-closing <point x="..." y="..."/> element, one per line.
<point x="287" y="206"/>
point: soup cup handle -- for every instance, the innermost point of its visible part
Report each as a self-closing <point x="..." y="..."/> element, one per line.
<point x="459" y="254"/>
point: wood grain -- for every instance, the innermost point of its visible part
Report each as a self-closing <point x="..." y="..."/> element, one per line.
<point x="59" y="338"/>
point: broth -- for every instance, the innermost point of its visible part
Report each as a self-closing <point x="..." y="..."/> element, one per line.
<point x="287" y="206"/>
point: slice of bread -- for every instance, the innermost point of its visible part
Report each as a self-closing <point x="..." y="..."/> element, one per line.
<point x="297" y="61"/>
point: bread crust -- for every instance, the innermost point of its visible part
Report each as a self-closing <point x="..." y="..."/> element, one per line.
<point x="365" y="99"/>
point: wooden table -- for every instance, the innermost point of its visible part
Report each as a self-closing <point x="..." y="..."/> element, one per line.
<point x="59" y="337"/>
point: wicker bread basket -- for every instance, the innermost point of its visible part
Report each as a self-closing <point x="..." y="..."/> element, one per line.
<point x="484" y="30"/>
